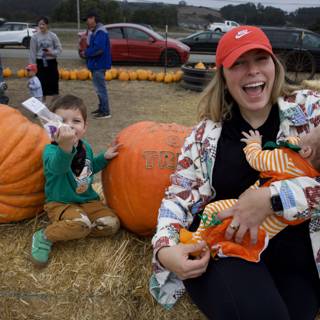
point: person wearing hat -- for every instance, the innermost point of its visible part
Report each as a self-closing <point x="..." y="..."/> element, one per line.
<point x="34" y="83"/>
<point x="247" y="93"/>
<point x="98" y="56"/>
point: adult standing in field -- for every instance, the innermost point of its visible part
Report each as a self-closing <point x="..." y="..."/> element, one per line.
<point x="98" y="57"/>
<point x="45" y="47"/>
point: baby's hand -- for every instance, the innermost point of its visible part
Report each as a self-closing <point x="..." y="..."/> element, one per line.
<point x="66" y="138"/>
<point x="252" y="136"/>
<point x="112" y="151"/>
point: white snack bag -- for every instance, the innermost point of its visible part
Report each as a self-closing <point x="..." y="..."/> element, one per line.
<point x="50" y="121"/>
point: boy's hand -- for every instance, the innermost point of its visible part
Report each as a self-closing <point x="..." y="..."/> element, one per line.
<point x="252" y="136"/>
<point x="66" y="138"/>
<point x="112" y="151"/>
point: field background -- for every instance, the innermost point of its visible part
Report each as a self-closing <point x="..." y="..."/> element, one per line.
<point x="92" y="278"/>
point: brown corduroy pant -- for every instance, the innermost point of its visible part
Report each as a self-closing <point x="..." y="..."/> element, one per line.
<point x="76" y="221"/>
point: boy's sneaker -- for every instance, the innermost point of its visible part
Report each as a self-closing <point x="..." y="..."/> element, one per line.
<point x="41" y="248"/>
<point x="95" y="111"/>
<point x="102" y="115"/>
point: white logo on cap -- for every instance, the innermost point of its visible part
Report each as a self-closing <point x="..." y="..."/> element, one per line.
<point x="242" y="33"/>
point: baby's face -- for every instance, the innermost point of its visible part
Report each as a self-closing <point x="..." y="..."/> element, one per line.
<point x="74" y="119"/>
<point x="312" y="138"/>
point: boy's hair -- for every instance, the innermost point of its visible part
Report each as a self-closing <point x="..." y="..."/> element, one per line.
<point x="69" y="102"/>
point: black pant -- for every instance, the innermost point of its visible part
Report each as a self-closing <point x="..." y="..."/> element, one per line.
<point x="284" y="285"/>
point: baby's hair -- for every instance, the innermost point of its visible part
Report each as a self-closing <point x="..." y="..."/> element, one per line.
<point x="68" y="102"/>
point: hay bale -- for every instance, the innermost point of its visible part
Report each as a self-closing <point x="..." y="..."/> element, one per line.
<point x="85" y="279"/>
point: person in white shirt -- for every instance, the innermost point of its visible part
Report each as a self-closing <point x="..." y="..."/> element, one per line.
<point x="34" y="84"/>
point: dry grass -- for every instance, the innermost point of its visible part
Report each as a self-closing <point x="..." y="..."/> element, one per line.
<point x="91" y="278"/>
<point x="86" y="279"/>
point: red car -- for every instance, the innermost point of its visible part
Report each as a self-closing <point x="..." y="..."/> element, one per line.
<point x="136" y="43"/>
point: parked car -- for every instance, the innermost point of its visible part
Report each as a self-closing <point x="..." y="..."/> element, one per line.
<point x="135" y="43"/>
<point x="299" y="50"/>
<point x="203" y="41"/>
<point x="16" y="33"/>
<point x="223" y="26"/>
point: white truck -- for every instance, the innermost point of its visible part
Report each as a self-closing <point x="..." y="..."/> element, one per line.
<point x="223" y="26"/>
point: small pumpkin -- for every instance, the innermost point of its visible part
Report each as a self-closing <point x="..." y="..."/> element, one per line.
<point x="168" y="78"/>
<point x="114" y="73"/>
<point x="160" y="77"/>
<point x="200" y="65"/>
<point x="21" y="73"/>
<point x="124" y="76"/>
<point x="83" y="74"/>
<point x="142" y="74"/>
<point x="7" y="72"/>
<point x="179" y="74"/>
<point x="21" y="173"/>
<point x="151" y="76"/>
<point x="133" y="75"/>
<point x="108" y="75"/>
<point x="73" y="75"/>
<point x="65" y="74"/>
<point x="135" y="181"/>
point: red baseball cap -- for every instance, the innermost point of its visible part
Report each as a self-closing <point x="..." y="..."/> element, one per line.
<point x="239" y="40"/>
<point x="32" y="67"/>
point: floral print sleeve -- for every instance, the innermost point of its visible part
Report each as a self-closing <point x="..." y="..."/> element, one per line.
<point x="298" y="115"/>
<point x="189" y="192"/>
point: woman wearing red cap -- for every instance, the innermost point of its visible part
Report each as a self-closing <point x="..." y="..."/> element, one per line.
<point x="247" y="93"/>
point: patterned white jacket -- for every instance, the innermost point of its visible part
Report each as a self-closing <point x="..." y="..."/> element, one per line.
<point x="191" y="189"/>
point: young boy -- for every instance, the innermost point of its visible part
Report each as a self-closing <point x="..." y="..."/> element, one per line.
<point x="300" y="157"/>
<point x="73" y="207"/>
<point x="34" y="84"/>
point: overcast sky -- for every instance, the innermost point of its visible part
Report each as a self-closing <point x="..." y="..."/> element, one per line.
<point x="285" y="5"/>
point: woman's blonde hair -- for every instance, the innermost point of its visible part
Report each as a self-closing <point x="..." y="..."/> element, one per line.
<point x="216" y="102"/>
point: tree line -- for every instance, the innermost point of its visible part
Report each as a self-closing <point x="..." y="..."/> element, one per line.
<point x="155" y="14"/>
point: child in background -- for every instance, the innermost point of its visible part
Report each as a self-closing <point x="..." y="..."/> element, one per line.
<point x="3" y="87"/>
<point x="34" y="84"/>
<point x="73" y="207"/>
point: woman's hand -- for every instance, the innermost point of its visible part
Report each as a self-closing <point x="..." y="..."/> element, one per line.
<point x="248" y="213"/>
<point x="176" y="259"/>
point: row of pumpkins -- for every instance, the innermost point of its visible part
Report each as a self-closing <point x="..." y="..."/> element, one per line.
<point x="113" y="73"/>
<point x="133" y="189"/>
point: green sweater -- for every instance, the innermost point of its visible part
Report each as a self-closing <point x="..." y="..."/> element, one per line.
<point x="61" y="185"/>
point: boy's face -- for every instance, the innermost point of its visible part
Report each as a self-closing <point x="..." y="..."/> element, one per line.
<point x="74" y="119"/>
<point x="30" y="73"/>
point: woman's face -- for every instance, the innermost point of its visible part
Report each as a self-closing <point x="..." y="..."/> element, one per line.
<point x="250" y="80"/>
<point x="43" y="27"/>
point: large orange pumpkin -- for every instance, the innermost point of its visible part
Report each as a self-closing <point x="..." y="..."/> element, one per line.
<point x="134" y="182"/>
<point x="21" y="174"/>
